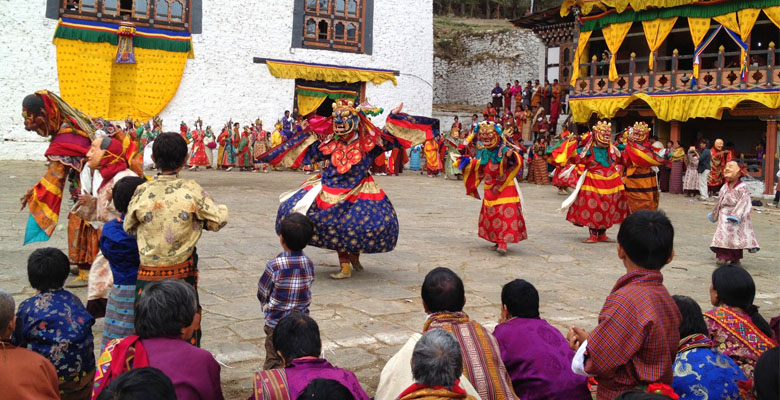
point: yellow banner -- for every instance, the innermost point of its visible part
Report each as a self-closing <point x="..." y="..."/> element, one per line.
<point x="773" y="13"/>
<point x="579" y="54"/>
<point x="90" y="80"/>
<point x="656" y="31"/>
<point x="614" y="34"/>
<point x="672" y="107"/>
<point x="327" y="73"/>
<point x="698" y="28"/>
<point x="308" y="104"/>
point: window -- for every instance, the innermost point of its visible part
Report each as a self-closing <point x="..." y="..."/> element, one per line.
<point x="332" y="24"/>
<point x="165" y="14"/>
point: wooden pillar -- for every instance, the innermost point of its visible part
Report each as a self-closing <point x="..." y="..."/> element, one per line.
<point x="674" y="131"/>
<point x="769" y="157"/>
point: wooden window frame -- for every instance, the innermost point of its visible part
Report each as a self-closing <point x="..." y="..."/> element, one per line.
<point x="129" y="15"/>
<point x="329" y="15"/>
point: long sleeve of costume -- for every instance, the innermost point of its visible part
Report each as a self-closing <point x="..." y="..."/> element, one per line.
<point x="744" y="204"/>
<point x="265" y="285"/>
<point x="615" y="340"/>
<point x="44" y="203"/>
<point x="215" y="216"/>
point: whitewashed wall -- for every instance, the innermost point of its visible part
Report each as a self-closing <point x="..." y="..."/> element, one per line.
<point x="222" y="82"/>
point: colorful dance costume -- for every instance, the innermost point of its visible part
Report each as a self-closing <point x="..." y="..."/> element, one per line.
<point x="350" y="212"/>
<point x="198" y="156"/>
<point x="501" y="218"/>
<point x="639" y="158"/>
<point x="559" y="159"/>
<point x="599" y="200"/>
<point x="70" y="132"/>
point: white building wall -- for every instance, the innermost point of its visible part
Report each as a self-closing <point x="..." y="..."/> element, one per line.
<point x="222" y="82"/>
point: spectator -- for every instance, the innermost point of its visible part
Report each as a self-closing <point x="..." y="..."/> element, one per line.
<point x="766" y="378"/>
<point x="490" y="113"/>
<point x="497" y="96"/>
<point x="166" y="314"/>
<point x="325" y="389"/>
<point x="535" y="353"/>
<point x="701" y="372"/>
<point x="285" y="286"/>
<point x="297" y="342"/>
<point x="443" y="299"/>
<point x="514" y="98"/>
<point x="26" y="374"/>
<point x="55" y="324"/>
<point x="536" y="96"/>
<point x="703" y="168"/>
<point x="636" y="339"/>
<point x="437" y="364"/>
<point x="167" y="215"/>
<point x="527" y="94"/>
<point x="121" y="251"/>
<point x="732" y="293"/>
<point x="140" y="384"/>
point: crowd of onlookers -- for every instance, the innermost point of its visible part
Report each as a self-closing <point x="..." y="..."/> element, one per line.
<point x="647" y="344"/>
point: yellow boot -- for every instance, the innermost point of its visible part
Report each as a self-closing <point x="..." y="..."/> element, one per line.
<point x="79" y="281"/>
<point x="346" y="271"/>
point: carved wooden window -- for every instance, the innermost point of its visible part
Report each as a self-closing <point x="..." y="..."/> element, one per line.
<point x="165" y="14"/>
<point x="334" y="24"/>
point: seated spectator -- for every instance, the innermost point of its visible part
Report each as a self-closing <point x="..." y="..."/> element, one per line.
<point x="140" y="384"/>
<point x="121" y="251"/>
<point x="325" y="389"/>
<point x="636" y="339"/>
<point x="699" y="371"/>
<point x="165" y="314"/>
<point x="535" y="353"/>
<point x="297" y="342"/>
<point x="55" y="324"/>
<point x="736" y="328"/>
<point x="766" y="375"/>
<point x="437" y="365"/>
<point x="443" y="299"/>
<point x="26" y="375"/>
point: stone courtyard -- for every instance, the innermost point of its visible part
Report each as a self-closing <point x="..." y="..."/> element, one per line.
<point x="365" y="319"/>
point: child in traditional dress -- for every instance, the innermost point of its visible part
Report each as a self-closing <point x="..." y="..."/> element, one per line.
<point x="285" y="286"/>
<point x="691" y="179"/>
<point x="121" y="251"/>
<point x="636" y="340"/>
<point x="732" y="214"/>
<point x="735" y="326"/>
<point x="168" y="215"/>
<point x="55" y="324"/>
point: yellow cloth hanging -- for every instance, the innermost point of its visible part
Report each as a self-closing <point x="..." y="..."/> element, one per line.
<point x="309" y="104"/>
<point x="91" y="81"/>
<point x="586" y="6"/>
<point x="614" y="34"/>
<point x="698" y="28"/>
<point x="773" y="13"/>
<point x="327" y="73"/>
<point x="582" y="44"/>
<point x="728" y="20"/>
<point x="671" y="107"/>
<point x="656" y="31"/>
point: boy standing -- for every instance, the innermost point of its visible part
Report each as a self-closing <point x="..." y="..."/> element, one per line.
<point x="286" y="283"/>
<point x="635" y="342"/>
<point x="167" y="215"/>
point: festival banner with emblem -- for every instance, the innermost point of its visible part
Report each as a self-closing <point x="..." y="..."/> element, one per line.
<point x="117" y="71"/>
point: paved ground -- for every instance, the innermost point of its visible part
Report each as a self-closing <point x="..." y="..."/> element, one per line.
<point x="365" y="319"/>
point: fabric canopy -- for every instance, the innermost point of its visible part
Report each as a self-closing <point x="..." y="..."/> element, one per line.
<point x="698" y="10"/>
<point x="328" y="73"/>
<point x="672" y="106"/>
<point x="620" y="5"/>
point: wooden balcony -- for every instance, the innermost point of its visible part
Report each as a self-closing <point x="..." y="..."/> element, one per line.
<point x="161" y="14"/>
<point x="674" y="80"/>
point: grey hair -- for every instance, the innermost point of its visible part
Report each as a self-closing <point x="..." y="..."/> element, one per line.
<point x="7" y="306"/>
<point x="436" y="359"/>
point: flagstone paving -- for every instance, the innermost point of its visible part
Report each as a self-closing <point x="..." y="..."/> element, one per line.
<point x="364" y="320"/>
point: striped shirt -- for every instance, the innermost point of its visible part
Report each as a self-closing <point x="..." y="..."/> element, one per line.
<point x="635" y="342"/>
<point x="285" y="286"/>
